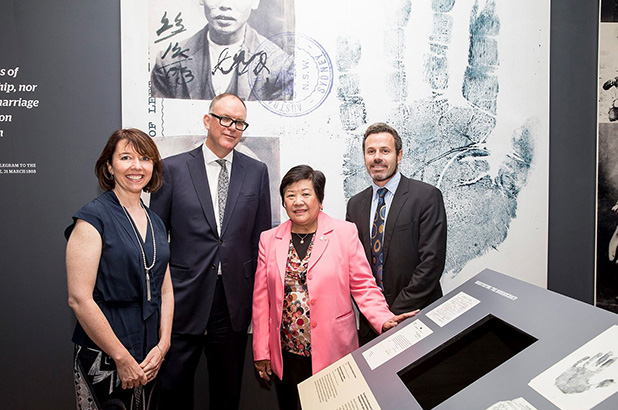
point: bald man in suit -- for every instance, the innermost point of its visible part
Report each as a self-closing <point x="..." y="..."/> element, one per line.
<point x="215" y="203"/>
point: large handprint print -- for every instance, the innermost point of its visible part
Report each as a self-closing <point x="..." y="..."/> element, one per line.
<point x="445" y="143"/>
<point x="577" y="378"/>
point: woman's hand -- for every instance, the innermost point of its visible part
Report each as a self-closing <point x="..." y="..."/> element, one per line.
<point x="130" y="373"/>
<point x="395" y="320"/>
<point x="263" y="368"/>
<point x="152" y="363"/>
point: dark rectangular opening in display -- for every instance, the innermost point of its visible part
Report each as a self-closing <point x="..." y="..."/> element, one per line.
<point x="462" y="360"/>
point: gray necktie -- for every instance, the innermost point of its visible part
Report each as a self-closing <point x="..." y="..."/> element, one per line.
<point x="224" y="182"/>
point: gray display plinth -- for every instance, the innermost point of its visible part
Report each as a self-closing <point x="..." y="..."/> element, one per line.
<point x="493" y="339"/>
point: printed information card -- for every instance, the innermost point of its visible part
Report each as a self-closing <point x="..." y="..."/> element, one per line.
<point x="452" y="309"/>
<point x="341" y="386"/>
<point x="396" y="343"/>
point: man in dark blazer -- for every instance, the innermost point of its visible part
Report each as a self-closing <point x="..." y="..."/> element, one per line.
<point x="213" y="247"/>
<point x="413" y="241"/>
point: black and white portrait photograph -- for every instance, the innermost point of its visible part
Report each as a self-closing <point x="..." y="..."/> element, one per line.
<point x="607" y="169"/>
<point x="204" y="48"/>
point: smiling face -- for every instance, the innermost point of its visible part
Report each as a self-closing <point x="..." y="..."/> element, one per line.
<point x="302" y="206"/>
<point x="381" y="157"/>
<point x="226" y="18"/>
<point x="131" y="170"/>
<point x="222" y="140"/>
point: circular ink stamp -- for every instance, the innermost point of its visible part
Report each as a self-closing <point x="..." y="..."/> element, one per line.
<point x="293" y="76"/>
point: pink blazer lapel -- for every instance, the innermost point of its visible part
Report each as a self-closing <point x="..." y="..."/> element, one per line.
<point x="282" y="246"/>
<point x="321" y="240"/>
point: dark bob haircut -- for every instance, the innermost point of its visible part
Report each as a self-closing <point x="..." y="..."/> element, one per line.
<point x="300" y="173"/>
<point x="380" y="127"/>
<point x="143" y="144"/>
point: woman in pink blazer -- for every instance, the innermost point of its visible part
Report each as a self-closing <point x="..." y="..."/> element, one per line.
<point x="308" y="267"/>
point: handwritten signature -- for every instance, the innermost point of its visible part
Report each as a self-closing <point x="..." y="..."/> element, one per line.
<point x="239" y="63"/>
<point x="178" y="70"/>
<point x="226" y="63"/>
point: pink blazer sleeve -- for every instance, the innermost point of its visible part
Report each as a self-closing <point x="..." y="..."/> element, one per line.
<point x="365" y="292"/>
<point x="261" y="305"/>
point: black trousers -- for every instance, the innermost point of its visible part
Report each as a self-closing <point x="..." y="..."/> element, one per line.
<point x="225" y="356"/>
<point x="296" y="368"/>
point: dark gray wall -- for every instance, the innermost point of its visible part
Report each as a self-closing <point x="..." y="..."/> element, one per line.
<point x="72" y="50"/>
<point x="572" y="153"/>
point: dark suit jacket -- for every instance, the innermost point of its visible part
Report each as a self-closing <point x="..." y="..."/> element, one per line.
<point x="414" y="243"/>
<point x="184" y="204"/>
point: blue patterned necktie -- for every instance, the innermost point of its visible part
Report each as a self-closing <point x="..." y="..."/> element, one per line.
<point x="223" y="183"/>
<point x="377" y="237"/>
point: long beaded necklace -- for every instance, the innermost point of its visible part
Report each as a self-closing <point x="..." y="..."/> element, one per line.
<point x="139" y="242"/>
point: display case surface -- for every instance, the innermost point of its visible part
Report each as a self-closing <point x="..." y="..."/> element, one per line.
<point x="494" y="342"/>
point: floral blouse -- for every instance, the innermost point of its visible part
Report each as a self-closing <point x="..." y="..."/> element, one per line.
<point x="295" y="324"/>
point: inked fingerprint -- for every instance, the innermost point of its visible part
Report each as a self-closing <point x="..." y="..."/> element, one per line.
<point x="352" y="112"/>
<point x="442" y="6"/>
<point x="348" y="53"/>
<point x="480" y="86"/>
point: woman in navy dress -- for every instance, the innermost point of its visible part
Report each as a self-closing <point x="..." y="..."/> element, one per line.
<point x="118" y="280"/>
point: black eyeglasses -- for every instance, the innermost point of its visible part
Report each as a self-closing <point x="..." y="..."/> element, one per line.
<point x="227" y="122"/>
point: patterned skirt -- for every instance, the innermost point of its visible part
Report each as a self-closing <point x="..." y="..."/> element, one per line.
<point x="97" y="385"/>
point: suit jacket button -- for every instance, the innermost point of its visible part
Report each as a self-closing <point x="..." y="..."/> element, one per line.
<point x="314" y="323"/>
<point x="310" y="277"/>
<point x="220" y="241"/>
<point x="313" y="301"/>
<point x="213" y="267"/>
